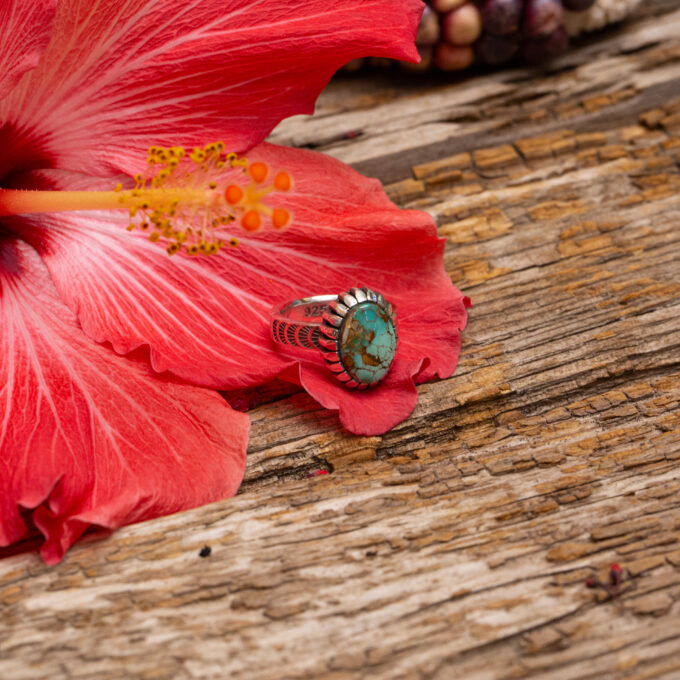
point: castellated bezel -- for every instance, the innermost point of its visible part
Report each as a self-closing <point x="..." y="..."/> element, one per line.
<point x="332" y="327"/>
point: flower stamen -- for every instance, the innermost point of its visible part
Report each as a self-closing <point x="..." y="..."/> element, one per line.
<point x="180" y="201"/>
<point x="187" y="201"/>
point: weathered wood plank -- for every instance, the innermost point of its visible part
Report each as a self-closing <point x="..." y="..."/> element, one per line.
<point x="384" y="128"/>
<point x="458" y="544"/>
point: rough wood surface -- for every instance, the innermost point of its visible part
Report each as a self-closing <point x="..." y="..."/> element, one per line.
<point x="457" y="545"/>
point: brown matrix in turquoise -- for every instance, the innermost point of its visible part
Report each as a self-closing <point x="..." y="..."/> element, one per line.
<point x="368" y="342"/>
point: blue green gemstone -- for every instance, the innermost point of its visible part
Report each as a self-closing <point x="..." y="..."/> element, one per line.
<point x="368" y="341"/>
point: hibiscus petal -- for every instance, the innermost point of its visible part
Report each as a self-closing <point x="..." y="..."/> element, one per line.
<point x="207" y="320"/>
<point x="88" y="437"/>
<point x="25" y="27"/>
<point x="366" y="412"/>
<point x="127" y="75"/>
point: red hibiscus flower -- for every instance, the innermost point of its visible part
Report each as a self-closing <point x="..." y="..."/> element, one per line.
<point x="90" y="437"/>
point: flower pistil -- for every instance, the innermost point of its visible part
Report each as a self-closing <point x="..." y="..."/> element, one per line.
<point x="183" y="200"/>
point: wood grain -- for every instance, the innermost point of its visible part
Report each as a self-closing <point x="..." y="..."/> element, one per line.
<point x="458" y="544"/>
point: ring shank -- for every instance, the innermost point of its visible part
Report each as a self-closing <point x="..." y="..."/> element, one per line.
<point x="297" y="323"/>
<point x="307" y="309"/>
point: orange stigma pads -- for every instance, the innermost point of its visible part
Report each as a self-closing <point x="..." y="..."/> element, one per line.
<point x="197" y="201"/>
<point x="249" y="199"/>
<point x="251" y="221"/>
<point x="282" y="181"/>
<point x="233" y="194"/>
<point x="280" y="218"/>
<point x="258" y="171"/>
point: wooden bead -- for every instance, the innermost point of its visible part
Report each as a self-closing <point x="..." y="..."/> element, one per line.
<point x="462" y="26"/>
<point x="453" y="57"/>
<point x="428" y="31"/>
<point x="354" y="65"/>
<point x="426" y="58"/>
<point x="446" y="5"/>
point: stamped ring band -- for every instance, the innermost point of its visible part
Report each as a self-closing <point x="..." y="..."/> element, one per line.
<point x="355" y="332"/>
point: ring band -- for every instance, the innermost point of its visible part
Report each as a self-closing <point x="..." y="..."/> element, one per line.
<point x="355" y="332"/>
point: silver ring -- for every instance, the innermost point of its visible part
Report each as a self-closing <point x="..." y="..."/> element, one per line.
<point x="355" y="332"/>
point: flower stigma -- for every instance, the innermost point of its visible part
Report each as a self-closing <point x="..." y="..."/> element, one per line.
<point x="188" y="201"/>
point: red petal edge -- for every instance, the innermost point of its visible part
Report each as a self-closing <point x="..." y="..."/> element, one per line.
<point x="207" y="319"/>
<point x="129" y="75"/>
<point x="91" y="438"/>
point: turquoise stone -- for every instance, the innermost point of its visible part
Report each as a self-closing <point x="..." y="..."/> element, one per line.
<point x="368" y="341"/>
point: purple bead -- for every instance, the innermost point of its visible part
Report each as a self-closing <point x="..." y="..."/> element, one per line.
<point x="578" y="5"/>
<point x="541" y="50"/>
<point x="496" y="49"/>
<point x="541" y="17"/>
<point x="501" y="17"/>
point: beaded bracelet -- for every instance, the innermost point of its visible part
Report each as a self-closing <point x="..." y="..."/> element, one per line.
<point x="454" y="34"/>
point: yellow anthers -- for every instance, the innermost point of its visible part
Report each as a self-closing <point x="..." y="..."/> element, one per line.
<point x="236" y="162"/>
<point x="190" y="200"/>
